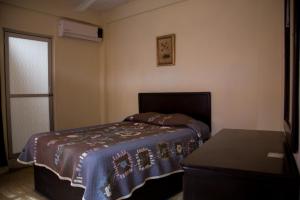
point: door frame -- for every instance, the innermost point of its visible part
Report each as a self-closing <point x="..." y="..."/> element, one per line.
<point x="30" y="36"/>
<point x="291" y="70"/>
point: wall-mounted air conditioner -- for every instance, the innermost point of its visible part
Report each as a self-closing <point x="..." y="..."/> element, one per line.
<point x="74" y="29"/>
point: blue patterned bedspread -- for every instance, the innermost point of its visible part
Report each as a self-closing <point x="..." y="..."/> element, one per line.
<point x="111" y="161"/>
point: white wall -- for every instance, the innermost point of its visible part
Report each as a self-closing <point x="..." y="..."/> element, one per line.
<point x="232" y="48"/>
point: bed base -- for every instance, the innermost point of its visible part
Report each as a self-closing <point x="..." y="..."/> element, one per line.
<point x="48" y="184"/>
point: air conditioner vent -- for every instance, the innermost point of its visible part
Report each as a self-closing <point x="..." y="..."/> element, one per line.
<point x="73" y="29"/>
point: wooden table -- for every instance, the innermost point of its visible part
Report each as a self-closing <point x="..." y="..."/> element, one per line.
<point x="241" y="164"/>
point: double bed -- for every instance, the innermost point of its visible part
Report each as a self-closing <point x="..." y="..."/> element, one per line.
<point x="138" y="158"/>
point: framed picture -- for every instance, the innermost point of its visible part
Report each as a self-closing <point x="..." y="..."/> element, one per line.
<point x="165" y="50"/>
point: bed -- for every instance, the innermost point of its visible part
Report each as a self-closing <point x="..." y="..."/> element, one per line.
<point x="196" y="105"/>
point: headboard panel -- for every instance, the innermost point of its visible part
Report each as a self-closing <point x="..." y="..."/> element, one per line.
<point x="193" y="104"/>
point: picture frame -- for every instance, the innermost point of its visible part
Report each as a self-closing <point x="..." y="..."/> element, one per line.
<point x="165" y="50"/>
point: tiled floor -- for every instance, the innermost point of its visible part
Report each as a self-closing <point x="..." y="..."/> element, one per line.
<point x="18" y="185"/>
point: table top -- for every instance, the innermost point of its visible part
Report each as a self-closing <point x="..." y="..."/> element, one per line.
<point x="242" y="150"/>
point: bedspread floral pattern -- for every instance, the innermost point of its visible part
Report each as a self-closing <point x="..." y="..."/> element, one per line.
<point x="144" y="158"/>
<point x="131" y="148"/>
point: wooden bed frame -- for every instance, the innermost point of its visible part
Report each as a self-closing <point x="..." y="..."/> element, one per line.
<point x="194" y="104"/>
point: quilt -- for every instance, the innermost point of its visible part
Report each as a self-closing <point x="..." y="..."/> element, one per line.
<point x="110" y="161"/>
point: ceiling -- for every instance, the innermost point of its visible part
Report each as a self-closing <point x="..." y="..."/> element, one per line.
<point x="83" y="10"/>
<point x="98" y="5"/>
<point x="75" y="5"/>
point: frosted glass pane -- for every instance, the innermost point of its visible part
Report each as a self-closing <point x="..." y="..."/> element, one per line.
<point x="28" y="116"/>
<point x="28" y="66"/>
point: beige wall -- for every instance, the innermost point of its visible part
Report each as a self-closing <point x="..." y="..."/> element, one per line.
<point x="76" y="67"/>
<point x="232" y="48"/>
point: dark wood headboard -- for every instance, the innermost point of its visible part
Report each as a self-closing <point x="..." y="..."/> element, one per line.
<point x="193" y="104"/>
